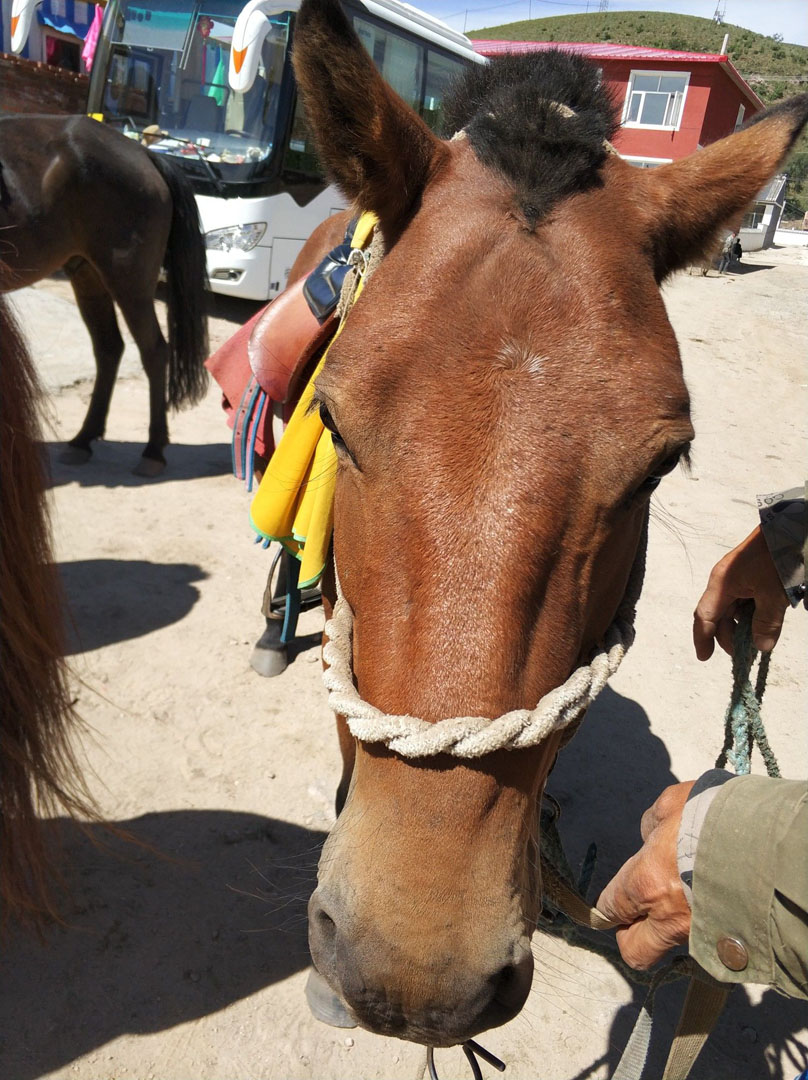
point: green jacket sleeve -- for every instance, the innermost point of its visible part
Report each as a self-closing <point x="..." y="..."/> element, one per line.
<point x="750" y="885"/>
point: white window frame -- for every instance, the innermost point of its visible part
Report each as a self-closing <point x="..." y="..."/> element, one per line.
<point x="654" y="127"/>
<point x="739" y="118"/>
<point x="634" y="159"/>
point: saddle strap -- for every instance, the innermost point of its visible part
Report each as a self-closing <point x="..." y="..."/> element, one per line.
<point x="703" y="1004"/>
<point x="567" y="900"/>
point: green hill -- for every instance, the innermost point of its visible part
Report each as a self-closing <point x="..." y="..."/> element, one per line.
<point x="753" y="54"/>
<point x="773" y="68"/>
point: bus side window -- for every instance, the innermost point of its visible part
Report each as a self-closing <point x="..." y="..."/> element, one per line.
<point x="131" y="88"/>
<point x="300" y="157"/>
<point x="399" y="59"/>
<point x="440" y="71"/>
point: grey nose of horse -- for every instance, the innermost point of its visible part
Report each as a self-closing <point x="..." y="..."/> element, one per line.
<point x="438" y="1000"/>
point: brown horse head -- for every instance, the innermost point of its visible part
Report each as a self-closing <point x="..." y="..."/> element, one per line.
<point x="504" y="397"/>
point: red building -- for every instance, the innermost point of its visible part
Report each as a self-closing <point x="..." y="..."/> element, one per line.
<point x="671" y="103"/>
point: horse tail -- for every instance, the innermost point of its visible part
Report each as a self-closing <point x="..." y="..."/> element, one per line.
<point x="40" y="770"/>
<point x="186" y="279"/>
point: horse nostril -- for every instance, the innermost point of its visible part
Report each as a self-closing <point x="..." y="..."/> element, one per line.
<point x="505" y="985"/>
<point x="510" y="987"/>
<point x="325" y="930"/>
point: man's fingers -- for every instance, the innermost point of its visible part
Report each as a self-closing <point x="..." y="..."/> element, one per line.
<point x="725" y="634"/>
<point x="641" y="944"/>
<point x="703" y="637"/>
<point x="711" y="624"/>
<point x="619" y="901"/>
<point x="767" y="622"/>
<point x="717" y="601"/>
<point x="746" y="572"/>
<point x="649" y="821"/>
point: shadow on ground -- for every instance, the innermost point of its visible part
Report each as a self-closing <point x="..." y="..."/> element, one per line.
<point x="232" y="309"/>
<point x="112" y="463"/>
<point x="606" y="778"/>
<point x="153" y="942"/>
<point x="102" y="612"/>
<point x="741" y="268"/>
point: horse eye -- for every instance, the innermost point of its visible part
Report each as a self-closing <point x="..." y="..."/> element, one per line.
<point x="329" y="425"/>
<point x="655" y="479"/>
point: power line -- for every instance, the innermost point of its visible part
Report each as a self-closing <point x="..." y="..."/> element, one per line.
<point x="513" y="3"/>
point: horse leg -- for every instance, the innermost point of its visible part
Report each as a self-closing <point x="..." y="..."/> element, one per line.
<point x="138" y="310"/>
<point x="98" y="312"/>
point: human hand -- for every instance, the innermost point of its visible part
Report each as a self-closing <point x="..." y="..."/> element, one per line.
<point x="745" y="573"/>
<point x="646" y="896"/>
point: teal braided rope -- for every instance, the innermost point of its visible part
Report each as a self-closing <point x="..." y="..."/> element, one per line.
<point x="743" y="725"/>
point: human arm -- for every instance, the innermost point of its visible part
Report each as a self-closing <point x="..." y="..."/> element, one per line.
<point x="749" y="919"/>
<point x="767" y="567"/>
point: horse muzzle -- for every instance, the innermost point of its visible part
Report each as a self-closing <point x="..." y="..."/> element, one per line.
<point x="436" y="998"/>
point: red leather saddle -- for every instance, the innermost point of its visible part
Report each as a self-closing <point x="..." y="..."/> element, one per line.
<point x="284" y="340"/>
<point x="262" y="369"/>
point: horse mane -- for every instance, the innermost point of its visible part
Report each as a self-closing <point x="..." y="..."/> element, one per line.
<point x="508" y="108"/>
<point x="40" y="771"/>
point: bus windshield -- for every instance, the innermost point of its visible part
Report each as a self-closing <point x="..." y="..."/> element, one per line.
<point x="166" y="76"/>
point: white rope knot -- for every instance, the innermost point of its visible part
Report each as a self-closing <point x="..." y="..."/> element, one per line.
<point x="475" y="736"/>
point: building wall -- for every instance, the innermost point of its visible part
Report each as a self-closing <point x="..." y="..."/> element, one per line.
<point x="722" y="109"/>
<point x="710" y="108"/>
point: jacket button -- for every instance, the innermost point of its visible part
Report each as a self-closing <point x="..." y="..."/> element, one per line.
<point x="732" y="953"/>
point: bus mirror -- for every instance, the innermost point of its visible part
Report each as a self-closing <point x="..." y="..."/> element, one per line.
<point x="22" y="14"/>
<point x="252" y="26"/>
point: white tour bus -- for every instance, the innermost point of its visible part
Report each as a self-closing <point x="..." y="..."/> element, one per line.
<point x="213" y="80"/>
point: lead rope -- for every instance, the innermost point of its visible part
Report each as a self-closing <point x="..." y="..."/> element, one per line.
<point x="705" y="997"/>
<point x="743" y="725"/>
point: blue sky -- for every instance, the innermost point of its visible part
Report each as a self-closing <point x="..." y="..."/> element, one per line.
<point x="786" y="17"/>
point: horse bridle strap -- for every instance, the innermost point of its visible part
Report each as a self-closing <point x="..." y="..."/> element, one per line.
<point x="475" y="736"/>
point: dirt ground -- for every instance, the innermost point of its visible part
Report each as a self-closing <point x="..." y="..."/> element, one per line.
<point x="194" y="968"/>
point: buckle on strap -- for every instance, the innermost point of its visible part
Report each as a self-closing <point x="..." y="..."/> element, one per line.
<point x="322" y="286"/>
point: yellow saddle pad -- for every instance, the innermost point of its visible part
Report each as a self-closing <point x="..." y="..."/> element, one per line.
<point x="294" y="503"/>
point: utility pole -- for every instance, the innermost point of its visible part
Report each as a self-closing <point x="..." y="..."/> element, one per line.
<point x="603" y="5"/>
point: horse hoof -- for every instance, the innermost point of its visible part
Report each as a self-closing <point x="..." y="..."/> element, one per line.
<point x="268" y="662"/>
<point x="149" y="467"/>
<point x="74" y="455"/>
<point x="324" y="1003"/>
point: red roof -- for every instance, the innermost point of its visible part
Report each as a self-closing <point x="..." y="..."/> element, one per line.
<point x="605" y="50"/>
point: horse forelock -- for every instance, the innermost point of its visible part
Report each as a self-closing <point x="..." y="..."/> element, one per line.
<point x="510" y="112"/>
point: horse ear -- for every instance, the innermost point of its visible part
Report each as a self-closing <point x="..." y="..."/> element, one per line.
<point x="371" y="143"/>
<point x="688" y="201"/>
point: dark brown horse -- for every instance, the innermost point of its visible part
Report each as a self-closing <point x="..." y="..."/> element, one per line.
<point x="79" y="195"/>
<point x="39" y="769"/>
<point x="506" y="394"/>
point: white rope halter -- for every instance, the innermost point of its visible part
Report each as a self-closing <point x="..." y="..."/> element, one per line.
<point x="474" y="736"/>
<point x="469" y="736"/>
